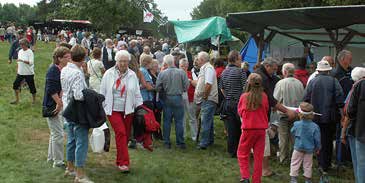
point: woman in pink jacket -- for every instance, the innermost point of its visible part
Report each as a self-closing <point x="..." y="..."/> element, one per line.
<point x="252" y="108"/>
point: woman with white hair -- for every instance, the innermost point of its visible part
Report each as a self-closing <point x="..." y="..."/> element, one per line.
<point x="355" y="116"/>
<point x="120" y="87"/>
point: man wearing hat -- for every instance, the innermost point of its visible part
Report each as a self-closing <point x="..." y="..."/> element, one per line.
<point x="325" y="93"/>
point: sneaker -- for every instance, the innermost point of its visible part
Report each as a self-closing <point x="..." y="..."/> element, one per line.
<point x="59" y="165"/>
<point x="201" y="147"/>
<point x="167" y="146"/>
<point x="14" y="102"/>
<point x="123" y="169"/>
<point x="132" y="144"/>
<point x="82" y="180"/>
<point x="245" y="181"/>
<point x="307" y="181"/>
<point x="182" y="146"/>
<point x="139" y="145"/>
<point x="69" y="173"/>
<point x="293" y="180"/>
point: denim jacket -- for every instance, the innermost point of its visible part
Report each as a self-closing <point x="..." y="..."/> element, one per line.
<point x="307" y="136"/>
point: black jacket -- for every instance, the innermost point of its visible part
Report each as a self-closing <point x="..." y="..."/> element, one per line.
<point x="344" y="78"/>
<point x="268" y="83"/>
<point x="89" y="112"/>
<point x="355" y="110"/>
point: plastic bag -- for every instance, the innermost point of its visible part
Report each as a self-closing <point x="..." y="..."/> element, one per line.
<point x="97" y="140"/>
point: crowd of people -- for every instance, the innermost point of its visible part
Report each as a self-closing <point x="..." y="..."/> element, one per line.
<point x="128" y="72"/>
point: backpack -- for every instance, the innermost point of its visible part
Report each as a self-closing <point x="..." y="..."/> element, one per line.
<point x="145" y="120"/>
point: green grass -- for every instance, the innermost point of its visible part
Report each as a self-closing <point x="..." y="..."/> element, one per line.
<point x="24" y="144"/>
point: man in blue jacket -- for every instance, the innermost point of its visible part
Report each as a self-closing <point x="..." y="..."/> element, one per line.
<point x="325" y="93"/>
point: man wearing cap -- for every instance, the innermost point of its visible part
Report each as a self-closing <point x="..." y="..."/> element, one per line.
<point x="325" y="94"/>
<point x="330" y="60"/>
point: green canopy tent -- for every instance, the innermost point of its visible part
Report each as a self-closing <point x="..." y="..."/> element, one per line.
<point x="213" y="28"/>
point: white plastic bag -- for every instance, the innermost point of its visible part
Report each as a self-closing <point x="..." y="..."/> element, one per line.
<point x="97" y="140"/>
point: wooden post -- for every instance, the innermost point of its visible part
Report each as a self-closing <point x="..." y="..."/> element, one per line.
<point x="260" y="46"/>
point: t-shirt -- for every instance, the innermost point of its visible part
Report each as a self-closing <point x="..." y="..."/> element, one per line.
<point x="209" y="75"/>
<point x="146" y="95"/>
<point x="2" y="31"/>
<point x="23" y="68"/>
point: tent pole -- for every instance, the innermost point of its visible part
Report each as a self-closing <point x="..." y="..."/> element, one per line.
<point x="219" y="46"/>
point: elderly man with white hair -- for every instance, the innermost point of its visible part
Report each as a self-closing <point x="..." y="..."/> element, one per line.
<point x="355" y="105"/>
<point x="289" y="92"/>
<point x="108" y="54"/>
<point x="173" y="82"/>
<point x="206" y="95"/>
<point x="120" y="86"/>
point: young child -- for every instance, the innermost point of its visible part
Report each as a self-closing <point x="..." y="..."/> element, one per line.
<point x="307" y="141"/>
<point x="252" y="108"/>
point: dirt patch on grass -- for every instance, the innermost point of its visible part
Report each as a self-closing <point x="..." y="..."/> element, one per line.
<point x="35" y="136"/>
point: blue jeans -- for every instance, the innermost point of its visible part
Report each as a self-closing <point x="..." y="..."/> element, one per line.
<point x="77" y="143"/>
<point x="207" y="116"/>
<point x="173" y="108"/>
<point x="358" y="158"/>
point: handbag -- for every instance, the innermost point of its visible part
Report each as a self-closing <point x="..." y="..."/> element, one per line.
<point x="48" y="111"/>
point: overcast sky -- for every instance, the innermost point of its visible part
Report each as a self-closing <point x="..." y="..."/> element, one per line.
<point x="174" y="9"/>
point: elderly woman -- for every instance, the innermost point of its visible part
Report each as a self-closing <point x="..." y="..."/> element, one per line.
<point x="108" y="54"/>
<point x="52" y="102"/>
<point x="356" y="133"/>
<point x="120" y="87"/>
<point x="96" y="70"/>
<point x="154" y="71"/>
<point x="25" y="70"/>
<point x="147" y="86"/>
<point x="73" y="82"/>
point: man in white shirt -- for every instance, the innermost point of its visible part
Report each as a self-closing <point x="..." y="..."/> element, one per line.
<point x="25" y="70"/>
<point x="206" y="96"/>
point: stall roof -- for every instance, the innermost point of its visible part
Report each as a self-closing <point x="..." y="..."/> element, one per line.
<point x="319" y="26"/>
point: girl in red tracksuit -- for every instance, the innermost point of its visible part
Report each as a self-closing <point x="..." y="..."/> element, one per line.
<point x="252" y="108"/>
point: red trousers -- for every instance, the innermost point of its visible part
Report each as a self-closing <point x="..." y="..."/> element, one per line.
<point x="122" y="129"/>
<point x="251" y="139"/>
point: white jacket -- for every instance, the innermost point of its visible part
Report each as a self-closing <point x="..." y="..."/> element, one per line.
<point x="134" y="97"/>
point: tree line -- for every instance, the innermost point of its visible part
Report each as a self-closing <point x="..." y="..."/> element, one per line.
<point x="208" y="8"/>
<point x="106" y="15"/>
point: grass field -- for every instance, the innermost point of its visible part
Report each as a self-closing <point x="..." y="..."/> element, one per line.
<point x="24" y="144"/>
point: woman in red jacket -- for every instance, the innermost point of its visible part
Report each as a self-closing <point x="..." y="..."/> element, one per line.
<point x="252" y="108"/>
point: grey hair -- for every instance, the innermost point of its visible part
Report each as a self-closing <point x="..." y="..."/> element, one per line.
<point x="289" y="68"/>
<point x="24" y="42"/>
<point x="108" y="41"/>
<point x="342" y="54"/>
<point x="169" y="60"/>
<point x="270" y="61"/>
<point x="204" y="56"/>
<point x="183" y="61"/>
<point x="154" y="61"/>
<point x="122" y="53"/>
<point x="357" y="73"/>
